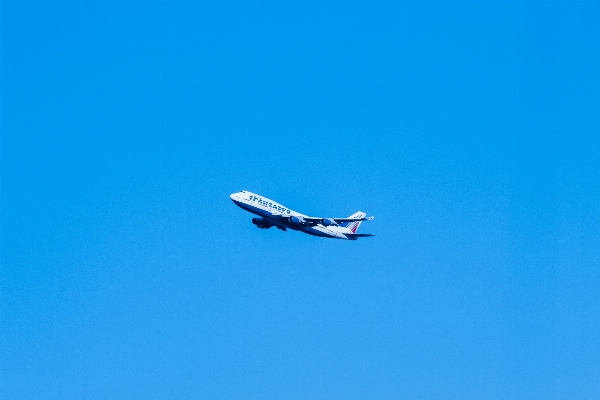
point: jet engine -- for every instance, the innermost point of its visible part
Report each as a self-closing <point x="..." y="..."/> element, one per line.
<point x="329" y="222"/>
<point x="296" y="220"/>
<point x="261" y="223"/>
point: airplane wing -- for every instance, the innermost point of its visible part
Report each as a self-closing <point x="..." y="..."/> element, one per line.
<point x="297" y="218"/>
<point x="319" y="220"/>
<point x="338" y="220"/>
<point x="352" y="219"/>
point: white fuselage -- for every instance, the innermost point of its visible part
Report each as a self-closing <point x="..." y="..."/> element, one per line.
<point x="280" y="216"/>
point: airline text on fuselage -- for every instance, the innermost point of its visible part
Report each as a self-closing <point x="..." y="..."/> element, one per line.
<point x="269" y="204"/>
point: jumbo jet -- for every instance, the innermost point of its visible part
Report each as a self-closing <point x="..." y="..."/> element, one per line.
<point x="274" y="214"/>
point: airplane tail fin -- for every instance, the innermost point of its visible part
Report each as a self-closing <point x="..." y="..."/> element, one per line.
<point x="353" y="225"/>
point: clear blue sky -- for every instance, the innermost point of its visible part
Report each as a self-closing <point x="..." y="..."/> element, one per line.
<point x="469" y="129"/>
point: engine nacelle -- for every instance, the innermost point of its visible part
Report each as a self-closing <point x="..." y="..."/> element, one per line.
<point x="296" y="220"/>
<point x="261" y="223"/>
<point x="329" y="222"/>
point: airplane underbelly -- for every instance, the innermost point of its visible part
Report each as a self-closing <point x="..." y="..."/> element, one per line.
<point x="318" y="232"/>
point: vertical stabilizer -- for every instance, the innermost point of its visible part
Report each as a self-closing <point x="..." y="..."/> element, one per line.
<point x="353" y="225"/>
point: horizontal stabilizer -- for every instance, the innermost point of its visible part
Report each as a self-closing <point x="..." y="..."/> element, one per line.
<point x="357" y="235"/>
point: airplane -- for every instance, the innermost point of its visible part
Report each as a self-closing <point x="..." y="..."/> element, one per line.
<point x="274" y="214"/>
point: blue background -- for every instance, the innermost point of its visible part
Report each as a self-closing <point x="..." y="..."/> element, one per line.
<point x="469" y="129"/>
